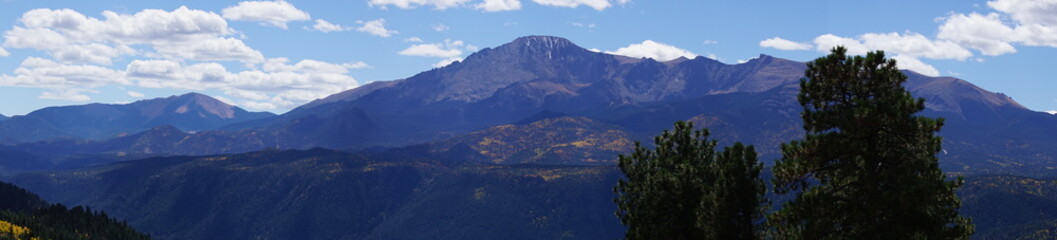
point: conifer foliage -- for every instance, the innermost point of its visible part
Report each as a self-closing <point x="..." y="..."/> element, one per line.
<point x="684" y="189"/>
<point x="867" y="168"/>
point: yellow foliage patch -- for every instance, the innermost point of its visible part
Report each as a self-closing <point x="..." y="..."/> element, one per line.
<point x="11" y="230"/>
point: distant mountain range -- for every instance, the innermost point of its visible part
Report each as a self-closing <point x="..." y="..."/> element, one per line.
<point x="752" y="102"/>
<point x="516" y="141"/>
<point x="188" y="112"/>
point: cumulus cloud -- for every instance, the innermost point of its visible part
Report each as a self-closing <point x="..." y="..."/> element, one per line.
<point x="498" y="5"/>
<point x="985" y="33"/>
<point x="4" y="53"/>
<point x="44" y="73"/>
<point x="655" y="50"/>
<point x="406" y="4"/>
<point x="909" y="44"/>
<point x="72" y="37"/>
<point x="1034" y="24"/>
<point x="375" y="27"/>
<point x="135" y="94"/>
<point x="276" y="13"/>
<point x="492" y="5"/>
<point x="915" y="64"/>
<point x="214" y="49"/>
<point x="1028" y="11"/>
<point x="449" y="51"/>
<point x="782" y="44"/>
<point x="413" y="39"/>
<point x="440" y="50"/>
<point x="177" y="49"/>
<point x="324" y="26"/>
<point x="278" y="84"/>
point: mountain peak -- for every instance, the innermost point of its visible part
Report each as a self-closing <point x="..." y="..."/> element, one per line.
<point x="191" y="101"/>
<point x="540" y="44"/>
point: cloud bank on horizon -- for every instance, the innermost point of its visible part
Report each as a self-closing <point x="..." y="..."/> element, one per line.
<point x="195" y="49"/>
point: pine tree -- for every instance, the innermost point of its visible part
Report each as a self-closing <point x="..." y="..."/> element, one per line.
<point x="867" y="168"/>
<point x="683" y="189"/>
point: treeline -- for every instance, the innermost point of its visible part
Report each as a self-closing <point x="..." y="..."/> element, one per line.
<point x="23" y="215"/>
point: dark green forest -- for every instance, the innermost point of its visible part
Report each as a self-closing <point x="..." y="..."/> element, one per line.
<point x="23" y="215"/>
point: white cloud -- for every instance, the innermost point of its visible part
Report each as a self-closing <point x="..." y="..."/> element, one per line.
<point x="181" y="47"/>
<point x="1034" y="24"/>
<point x="596" y="4"/>
<point x="782" y="44"/>
<point x="498" y="5"/>
<point x="135" y="94"/>
<point x="1042" y="12"/>
<point x="914" y="64"/>
<point x="909" y="44"/>
<point x="655" y="50"/>
<point x="406" y="4"/>
<point x="214" y="49"/>
<point x="413" y="39"/>
<point x="4" y="53"/>
<point x="69" y="94"/>
<point x="276" y="13"/>
<point x="492" y="5"/>
<point x="71" y="37"/>
<point x="277" y="85"/>
<point x="985" y="33"/>
<point x="43" y="73"/>
<point x="375" y="27"/>
<point x="709" y="42"/>
<point x="440" y="27"/>
<point x="449" y="51"/>
<point x="324" y="26"/>
<point x="1054" y="112"/>
<point x="432" y="50"/>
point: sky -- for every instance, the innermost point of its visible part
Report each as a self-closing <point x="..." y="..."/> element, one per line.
<point x="276" y="55"/>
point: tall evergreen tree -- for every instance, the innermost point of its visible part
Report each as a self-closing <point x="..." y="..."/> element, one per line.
<point x="867" y="168"/>
<point x="683" y="189"/>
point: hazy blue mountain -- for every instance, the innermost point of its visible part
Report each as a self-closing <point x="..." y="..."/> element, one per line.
<point x="188" y="112"/>
<point x="753" y="102"/>
<point x="2" y="117"/>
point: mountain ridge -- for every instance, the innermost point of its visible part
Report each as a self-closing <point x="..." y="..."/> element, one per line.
<point x="189" y="112"/>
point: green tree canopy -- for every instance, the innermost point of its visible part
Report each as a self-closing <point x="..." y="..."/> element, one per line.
<point x="867" y="168"/>
<point x="683" y="189"/>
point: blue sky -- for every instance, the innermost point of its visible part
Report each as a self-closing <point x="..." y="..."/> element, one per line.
<point x="275" y="55"/>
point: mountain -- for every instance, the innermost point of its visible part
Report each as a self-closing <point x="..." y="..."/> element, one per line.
<point x="752" y="102"/>
<point x="513" y="81"/>
<point x="324" y="194"/>
<point x="23" y="215"/>
<point x="2" y="117"/>
<point x="188" y="112"/>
